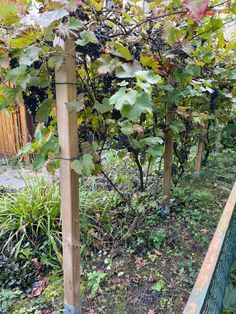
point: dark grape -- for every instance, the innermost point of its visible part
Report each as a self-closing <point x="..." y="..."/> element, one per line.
<point x="101" y="35"/>
<point x="136" y="51"/>
<point x="81" y="15"/>
<point x="93" y="50"/>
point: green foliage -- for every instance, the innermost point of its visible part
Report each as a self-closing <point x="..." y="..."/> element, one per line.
<point x="8" y="299"/>
<point x="94" y="280"/>
<point x="32" y="217"/>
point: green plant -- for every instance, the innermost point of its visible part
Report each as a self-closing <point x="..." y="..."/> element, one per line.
<point x="158" y="238"/>
<point x="94" y="280"/>
<point x="31" y="217"/>
<point x="158" y="286"/>
<point x="7" y="300"/>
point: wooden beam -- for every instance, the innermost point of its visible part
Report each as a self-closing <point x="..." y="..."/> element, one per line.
<point x="168" y="159"/>
<point x="198" y="162"/>
<point x="65" y="76"/>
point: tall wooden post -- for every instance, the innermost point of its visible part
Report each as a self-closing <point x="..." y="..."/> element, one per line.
<point x="198" y="162"/>
<point x="65" y="76"/>
<point x="168" y="159"/>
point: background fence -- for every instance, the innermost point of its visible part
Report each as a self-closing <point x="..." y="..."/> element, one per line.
<point x="15" y="130"/>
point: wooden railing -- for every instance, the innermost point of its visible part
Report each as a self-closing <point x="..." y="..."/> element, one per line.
<point x="209" y="289"/>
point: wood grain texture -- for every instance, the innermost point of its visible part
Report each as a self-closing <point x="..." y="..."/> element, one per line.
<point x="68" y="139"/>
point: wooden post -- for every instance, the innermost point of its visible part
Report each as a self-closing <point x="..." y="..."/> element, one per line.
<point x="65" y="76"/>
<point x="168" y="158"/>
<point x="199" y="155"/>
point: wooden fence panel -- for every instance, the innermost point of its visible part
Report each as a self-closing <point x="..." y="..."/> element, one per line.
<point x="13" y="132"/>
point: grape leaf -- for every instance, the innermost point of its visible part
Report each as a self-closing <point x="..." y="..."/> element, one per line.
<point x="103" y="107"/>
<point x="126" y="127"/>
<point x="47" y="18"/>
<point x="76" y="105"/>
<point x="128" y="69"/>
<point x="84" y="165"/>
<point x="124" y="51"/>
<point x="120" y="98"/>
<point x="29" y="55"/>
<point x="197" y="8"/>
<point x="86" y="37"/>
<point x="150" y="77"/>
<point x="177" y="126"/>
<point x="43" y="111"/>
<point x="106" y="64"/>
<point x="142" y="104"/>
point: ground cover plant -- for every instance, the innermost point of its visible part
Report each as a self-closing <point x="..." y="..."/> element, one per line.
<point x="155" y="104"/>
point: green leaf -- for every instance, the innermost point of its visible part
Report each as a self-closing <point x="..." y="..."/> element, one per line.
<point x="128" y="69"/>
<point x="120" y="98"/>
<point x="3" y="102"/>
<point x="177" y="126"/>
<point x="76" y="105"/>
<point x="158" y="286"/>
<point x="150" y="141"/>
<point x="47" y="18"/>
<point x="149" y="76"/>
<point x="142" y="104"/>
<point x="11" y="94"/>
<point x="193" y="70"/>
<point x="29" y="55"/>
<point x="74" y="23"/>
<point x="156" y="150"/>
<point x="43" y="111"/>
<point x="124" y="51"/>
<point x="86" y="37"/>
<point x="103" y="107"/>
<point x="19" y="76"/>
<point x="84" y="165"/>
<point x="126" y="127"/>
<point x="106" y="64"/>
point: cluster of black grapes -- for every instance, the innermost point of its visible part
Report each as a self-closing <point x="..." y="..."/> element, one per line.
<point x="156" y="41"/>
<point x="213" y="98"/>
<point x="106" y="82"/>
<point x="93" y="50"/>
<point x="149" y="296"/>
<point x="33" y="97"/>
<point x="101" y="35"/>
<point x="80" y="15"/>
<point x="136" y="51"/>
<point x="85" y="134"/>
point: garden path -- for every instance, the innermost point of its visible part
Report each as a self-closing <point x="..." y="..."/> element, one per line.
<point x="17" y="177"/>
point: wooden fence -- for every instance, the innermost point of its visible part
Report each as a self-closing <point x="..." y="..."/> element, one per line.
<point x="14" y="132"/>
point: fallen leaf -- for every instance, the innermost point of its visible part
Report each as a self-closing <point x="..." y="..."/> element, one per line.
<point x="151" y="278"/>
<point x="158" y="253"/>
<point x="42" y="284"/>
<point x="139" y="262"/>
<point x="136" y="279"/>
